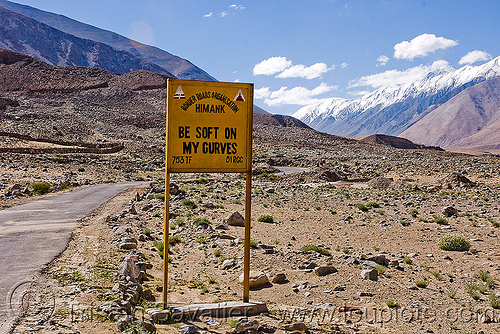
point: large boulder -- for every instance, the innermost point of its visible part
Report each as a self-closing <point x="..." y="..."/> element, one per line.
<point x="235" y="219"/>
<point x="257" y="279"/>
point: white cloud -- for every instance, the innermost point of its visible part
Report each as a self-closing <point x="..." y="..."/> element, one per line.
<point x="262" y="93"/>
<point x="301" y="71"/>
<point x="209" y="14"/>
<point x="474" y="56"/>
<point x="382" y="60"/>
<point x="421" y="46"/>
<point x="295" y="95"/>
<point x="271" y="66"/>
<point x="236" y="7"/>
<point x="285" y="69"/>
<point x="395" y="77"/>
<point x="344" y="65"/>
<point x="224" y="13"/>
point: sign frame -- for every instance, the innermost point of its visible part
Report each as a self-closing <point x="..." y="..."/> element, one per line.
<point x="187" y="123"/>
<point x="244" y="120"/>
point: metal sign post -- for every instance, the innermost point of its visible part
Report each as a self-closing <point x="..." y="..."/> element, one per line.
<point x="209" y="130"/>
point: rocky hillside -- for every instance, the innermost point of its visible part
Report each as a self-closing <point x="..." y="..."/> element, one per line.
<point x="396" y="142"/>
<point x="61" y="41"/>
<point x="471" y="119"/>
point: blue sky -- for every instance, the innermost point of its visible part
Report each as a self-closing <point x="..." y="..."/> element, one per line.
<point x="299" y="52"/>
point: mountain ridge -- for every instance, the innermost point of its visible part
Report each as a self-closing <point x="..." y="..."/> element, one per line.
<point x="471" y="119"/>
<point x="392" y="109"/>
<point x="172" y="65"/>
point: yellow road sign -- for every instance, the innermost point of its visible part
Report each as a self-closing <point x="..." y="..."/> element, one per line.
<point x="209" y="126"/>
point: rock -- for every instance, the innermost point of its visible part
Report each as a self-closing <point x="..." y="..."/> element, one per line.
<point x="265" y="328"/>
<point x="298" y="326"/>
<point x="148" y="294"/>
<point x="123" y="323"/>
<point x="147" y="207"/>
<point x="257" y="279"/>
<point x="129" y="239"/>
<point x="308" y="265"/>
<point x="379" y="259"/>
<point x="189" y="329"/>
<point x="174" y="189"/>
<point x="365" y="294"/>
<point x="123" y="230"/>
<point x="128" y="245"/>
<point x="394" y="263"/>
<point x="132" y="209"/>
<point x="234" y="219"/>
<point x="371" y="274"/>
<point x="246" y="324"/>
<point x="142" y="276"/>
<point x="449" y="211"/>
<point x="227" y="264"/>
<point x="484" y="318"/>
<point x="279" y="278"/>
<point x="108" y="307"/>
<point x="149" y="326"/>
<point x="209" y="205"/>
<point x="144" y="265"/>
<point x="369" y="264"/>
<point x="128" y="268"/>
<point x="222" y="227"/>
<point x="339" y="288"/>
<point x="137" y="196"/>
<point x="325" y="270"/>
<point x="270" y="190"/>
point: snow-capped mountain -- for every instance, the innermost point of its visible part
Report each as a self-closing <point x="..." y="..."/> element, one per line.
<point x="392" y="109"/>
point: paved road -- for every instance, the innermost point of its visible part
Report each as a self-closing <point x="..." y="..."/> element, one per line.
<point x="33" y="234"/>
<point x="292" y="170"/>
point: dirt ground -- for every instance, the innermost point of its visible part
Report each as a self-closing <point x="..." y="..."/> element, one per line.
<point x="404" y="225"/>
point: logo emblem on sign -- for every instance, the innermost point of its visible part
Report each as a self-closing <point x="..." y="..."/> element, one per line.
<point x="179" y="93"/>
<point x="239" y="96"/>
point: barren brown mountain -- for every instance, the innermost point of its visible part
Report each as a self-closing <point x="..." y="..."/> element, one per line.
<point x="471" y="119"/>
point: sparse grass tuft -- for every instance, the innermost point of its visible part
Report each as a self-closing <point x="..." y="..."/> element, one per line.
<point x="380" y="268"/>
<point x="174" y="240"/>
<point x="452" y="292"/>
<point x="421" y="283"/>
<point x="41" y="187"/>
<point x="265" y="219"/>
<point x="160" y="196"/>
<point x="440" y="220"/>
<point x="201" y="239"/>
<point x="391" y="303"/>
<point x="414" y="213"/>
<point x="317" y="249"/>
<point x="454" y="243"/>
<point x="189" y="203"/>
<point x="494" y="302"/>
<point x="362" y="207"/>
<point x="159" y="246"/>
<point x="437" y="275"/>
<point x="201" y="222"/>
<point x="408" y="260"/>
